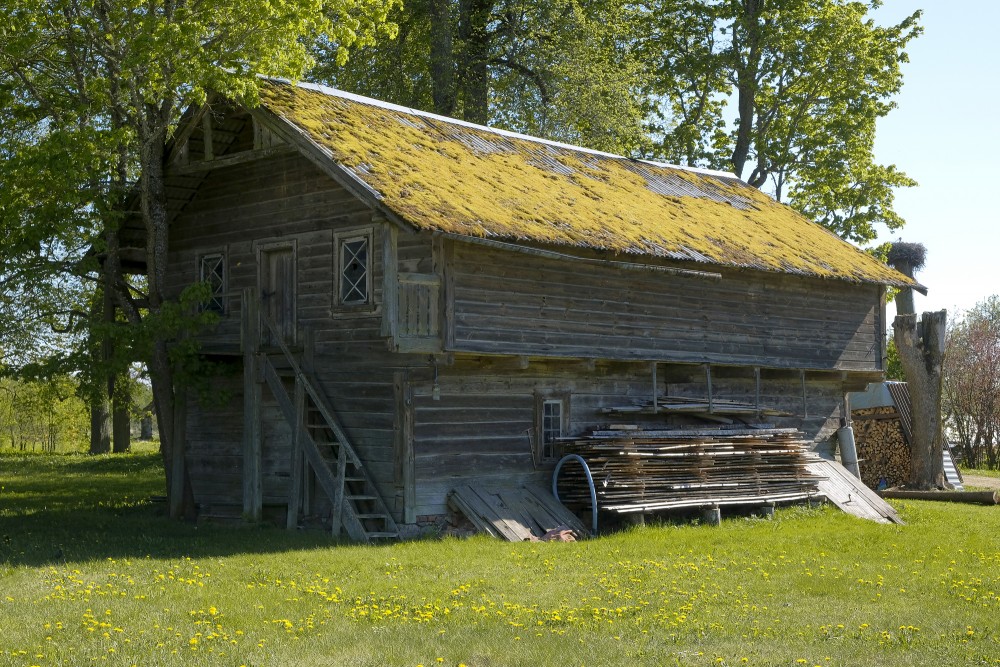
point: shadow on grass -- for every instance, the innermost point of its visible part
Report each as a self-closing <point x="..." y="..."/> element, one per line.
<point x="73" y="508"/>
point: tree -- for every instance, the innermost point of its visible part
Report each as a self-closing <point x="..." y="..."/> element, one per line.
<point x="921" y="351"/>
<point x="809" y="79"/>
<point x="98" y="86"/>
<point x="561" y="69"/>
<point x="42" y="415"/>
<point x="972" y="383"/>
<point x="920" y="347"/>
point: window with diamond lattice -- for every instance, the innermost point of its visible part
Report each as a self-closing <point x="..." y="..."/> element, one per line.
<point x="212" y="270"/>
<point x="355" y="271"/>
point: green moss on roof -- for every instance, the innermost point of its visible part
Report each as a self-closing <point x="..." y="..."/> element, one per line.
<point x="472" y="181"/>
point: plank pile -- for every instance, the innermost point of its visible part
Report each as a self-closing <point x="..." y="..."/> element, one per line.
<point x="882" y="447"/>
<point x="694" y="406"/>
<point x="644" y="470"/>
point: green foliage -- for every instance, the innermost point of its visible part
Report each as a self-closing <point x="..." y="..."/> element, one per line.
<point x="560" y="69"/>
<point x="89" y="93"/>
<point x="43" y="416"/>
<point x="81" y="544"/>
<point x="893" y="365"/>
<point x="809" y="79"/>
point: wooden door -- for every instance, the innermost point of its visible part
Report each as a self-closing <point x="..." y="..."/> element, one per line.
<point x="277" y="292"/>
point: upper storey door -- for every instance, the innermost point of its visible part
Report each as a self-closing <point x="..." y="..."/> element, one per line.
<point x="276" y="279"/>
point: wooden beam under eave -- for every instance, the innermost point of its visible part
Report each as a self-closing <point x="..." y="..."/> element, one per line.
<point x="231" y="160"/>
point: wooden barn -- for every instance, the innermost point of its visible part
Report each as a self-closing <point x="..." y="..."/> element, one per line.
<point x="421" y="303"/>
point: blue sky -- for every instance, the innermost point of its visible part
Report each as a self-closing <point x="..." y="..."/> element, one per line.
<point x="944" y="134"/>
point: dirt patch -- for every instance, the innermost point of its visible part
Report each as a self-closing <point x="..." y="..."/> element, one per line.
<point x="982" y="482"/>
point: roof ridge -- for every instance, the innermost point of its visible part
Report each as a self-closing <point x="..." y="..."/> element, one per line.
<point x="354" y="97"/>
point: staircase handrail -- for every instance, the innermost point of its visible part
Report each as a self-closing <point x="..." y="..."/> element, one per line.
<point x="314" y="394"/>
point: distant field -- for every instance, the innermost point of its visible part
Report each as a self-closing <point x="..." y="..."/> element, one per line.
<point x="92" y="573"/>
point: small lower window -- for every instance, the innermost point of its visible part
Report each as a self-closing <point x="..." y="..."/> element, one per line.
<point x="551" y="427"/>
<point x="212" y="270"/>
<point x="552" y="421"/>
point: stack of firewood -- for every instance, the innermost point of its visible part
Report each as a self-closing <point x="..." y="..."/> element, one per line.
<point x="637" y="470"/>
<point x="883" y="451"/>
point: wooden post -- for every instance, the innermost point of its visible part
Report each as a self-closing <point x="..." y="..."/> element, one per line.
<point x="756" y="390"/>
<point x="390" y="282"/>
<point x="708" y="381"/>
<point x="296" y="464"/>
<point x="177" y="467"/>
<point x="403" y="446"/>
<point x="252" y="395"/>
<point x="409" y="465"/>
<point x="655" y="397"/>
<point x="337" y="518"/>
<point x="805" y="405"/>
<point x="712" y="515"/>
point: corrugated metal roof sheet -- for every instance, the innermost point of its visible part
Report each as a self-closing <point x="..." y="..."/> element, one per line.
<point x="900" y="392"/>
<point x="446" y="175"/>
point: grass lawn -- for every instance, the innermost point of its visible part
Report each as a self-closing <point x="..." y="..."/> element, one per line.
<point x="92" y="573"/>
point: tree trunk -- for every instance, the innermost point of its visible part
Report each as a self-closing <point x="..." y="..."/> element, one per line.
<point x="100" y="427"/>
<point x="904" y="299"/>
<point x="442" y="57"/>
<point x="152" y="190"/>
<point x="475" y="37"/>
<point x="122" y="417"/>
<point x="746" y="56"/>
<point x="921" y="351"/>
<point x="100" y="409"/>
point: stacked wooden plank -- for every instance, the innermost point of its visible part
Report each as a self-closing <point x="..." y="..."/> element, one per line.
<point x="694" y="406"/>
<point x="641" y="470"/>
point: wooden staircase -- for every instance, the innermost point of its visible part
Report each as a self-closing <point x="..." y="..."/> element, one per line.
<point x="320" y="445"/>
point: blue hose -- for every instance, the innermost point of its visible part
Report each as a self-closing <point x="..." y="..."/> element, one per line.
<point x="590" y="482"/>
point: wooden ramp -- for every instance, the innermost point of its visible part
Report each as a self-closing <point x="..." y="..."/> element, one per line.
<point x="515" y="514"/>
<point x="849" y="494"/>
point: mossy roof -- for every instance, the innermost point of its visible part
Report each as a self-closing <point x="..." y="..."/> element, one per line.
<point x="444" y="175"/>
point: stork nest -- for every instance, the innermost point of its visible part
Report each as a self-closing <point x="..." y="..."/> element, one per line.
<point x="907" y="254"/>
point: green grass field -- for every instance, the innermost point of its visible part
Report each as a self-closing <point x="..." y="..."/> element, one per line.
<point x="92" y="573"/>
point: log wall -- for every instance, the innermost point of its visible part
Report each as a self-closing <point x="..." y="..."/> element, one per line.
<point x="483" y="423"/>
<point x="507" y="302"/>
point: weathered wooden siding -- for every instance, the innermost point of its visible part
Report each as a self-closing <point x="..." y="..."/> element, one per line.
<point x="482" y="425"/>
<point x="508" y="302"/>
<point x="286" y="199"/>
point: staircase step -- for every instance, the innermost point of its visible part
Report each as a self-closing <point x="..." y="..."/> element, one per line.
<point x="373" y="515"/>
<point x="362" y="497"/>
<point x="376" y="535"/>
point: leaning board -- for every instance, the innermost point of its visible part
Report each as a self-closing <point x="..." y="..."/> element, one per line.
<point x="515" y="514"/>
<point x="850" y="494"/>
